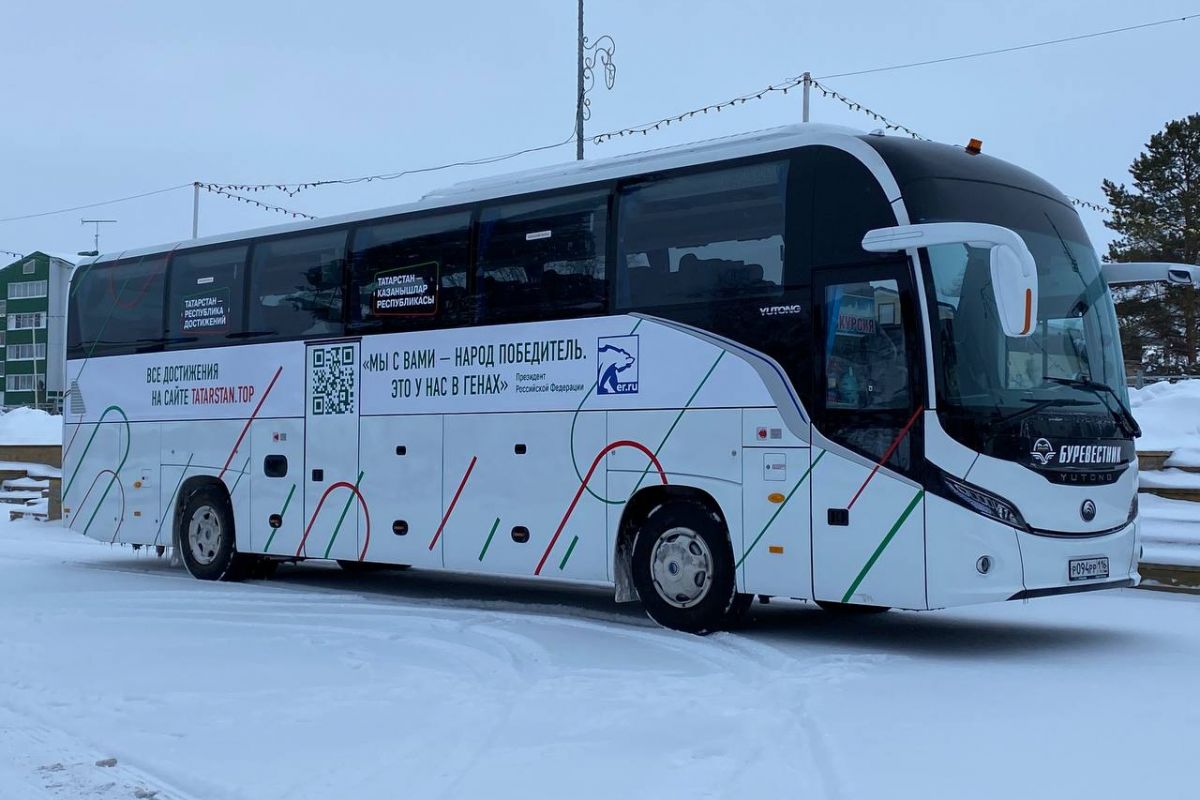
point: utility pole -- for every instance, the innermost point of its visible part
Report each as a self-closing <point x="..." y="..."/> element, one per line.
<point x="587" y="56"/>
<point x="196" y="206"/>
<point x="97" y="223"/>
<point x="807" y="78"/>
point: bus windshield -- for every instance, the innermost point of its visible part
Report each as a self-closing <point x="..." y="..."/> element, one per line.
<point x="1073" y="359"/>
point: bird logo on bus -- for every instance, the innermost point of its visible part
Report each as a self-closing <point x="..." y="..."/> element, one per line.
<point x="1043" y="452"/>
<point x="617" y="365"/>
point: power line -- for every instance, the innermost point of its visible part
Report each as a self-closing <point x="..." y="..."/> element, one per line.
<point x="791" y="83"/>
<point x="1013" y="49"/>
<point x="95" y="205"/>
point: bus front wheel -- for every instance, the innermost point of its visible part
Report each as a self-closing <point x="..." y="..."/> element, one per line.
<point x="683" y="569"/>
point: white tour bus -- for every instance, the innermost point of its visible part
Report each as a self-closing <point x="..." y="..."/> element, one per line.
<point x="855" y="369"/>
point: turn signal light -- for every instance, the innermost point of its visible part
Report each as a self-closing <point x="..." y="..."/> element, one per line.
<point x="776" y="497"/>
<point x="975" y="146"/>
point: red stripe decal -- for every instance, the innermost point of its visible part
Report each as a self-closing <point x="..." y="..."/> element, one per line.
<point x="321" y="502"/>
<point x="895" y="443"/>
<point x="583" y="486"/>
<point x="246" y="427"/>
<point x="453" y="502"/>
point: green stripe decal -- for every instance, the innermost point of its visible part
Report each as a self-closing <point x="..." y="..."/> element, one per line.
<point x="678" y="417"/>
<point x="239" y="477"/>
<point x="291" y="492"/>
<point x="79" y="463"/>
<point x="779" y="510"/>
<point x="158" y="532"/>
<point x="570" y="549"/>
<point x="488" y="542"/>
<point x="345" y="509"/>
<point x="882" y="546"/>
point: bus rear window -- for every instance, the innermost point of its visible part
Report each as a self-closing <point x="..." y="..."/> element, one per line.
<point x="117" y="308"/>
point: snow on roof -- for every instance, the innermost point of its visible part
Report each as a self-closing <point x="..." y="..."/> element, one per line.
<point x="30" y="426"/>
<point x="570" y="173"/>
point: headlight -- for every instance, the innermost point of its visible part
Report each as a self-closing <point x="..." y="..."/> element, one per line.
<point x="984" y="502"/>
<point x="1133" y="509"/>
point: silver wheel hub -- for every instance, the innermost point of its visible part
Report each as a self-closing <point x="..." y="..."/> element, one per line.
<point x="204" y="535"/>
<point x="681" y="567"/>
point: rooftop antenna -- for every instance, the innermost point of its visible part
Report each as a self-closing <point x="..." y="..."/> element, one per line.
<point x="96" y="238"/>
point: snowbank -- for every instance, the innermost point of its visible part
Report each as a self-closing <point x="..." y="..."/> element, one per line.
<point x="1169" y="414"/>
<point x="1170" y="530"/>
<point x="30" y="426"/>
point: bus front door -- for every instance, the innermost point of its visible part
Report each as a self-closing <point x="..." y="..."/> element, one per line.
<point x="334" y="510"/>
<point x="867" y="513"/>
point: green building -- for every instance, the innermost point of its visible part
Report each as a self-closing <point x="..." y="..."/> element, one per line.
<point x="33" y="303"/>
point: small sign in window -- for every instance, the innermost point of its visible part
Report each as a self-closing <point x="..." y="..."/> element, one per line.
<point x="407" y="291"/>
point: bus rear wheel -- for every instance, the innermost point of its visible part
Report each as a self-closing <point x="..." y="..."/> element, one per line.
<point x="683" y="569"/>
<point x="206" y="537"/>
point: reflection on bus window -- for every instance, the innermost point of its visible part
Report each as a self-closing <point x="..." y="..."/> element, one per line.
<point x="703" y="237"/>
<point x="296" y="286"/>
<point x="866" y="366"/>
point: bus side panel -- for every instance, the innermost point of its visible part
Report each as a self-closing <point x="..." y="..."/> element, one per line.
<point x="92" y="489"/>
<point x="275" y="487"/>
<point x="956" y="540"/>
<point x="190" y="448"/>
<point x="875" y="553"/>
<point x="697" y="448"/>
<point x="506" y="472"/>
<point x="401" y="462"/>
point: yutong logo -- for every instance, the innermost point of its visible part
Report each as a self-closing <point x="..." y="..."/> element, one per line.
<point x="1087" y="511"/>
<point x="777" y="311"/>
<point x="617" y="365"/>
<point x="1043" y="453"/>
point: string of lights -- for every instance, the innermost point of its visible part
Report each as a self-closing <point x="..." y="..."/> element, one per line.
<point x="875" y="115"/>
<point x="217" y="189"/>
<point x="13" y="254"/>
<point x="293" y="189"/>
<point x="1097" y="207"/>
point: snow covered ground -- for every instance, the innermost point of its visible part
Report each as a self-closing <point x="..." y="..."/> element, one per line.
<point x="321" y="685"/>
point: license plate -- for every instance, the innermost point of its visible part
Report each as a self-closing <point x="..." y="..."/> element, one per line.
<point x="1087" y="569"/>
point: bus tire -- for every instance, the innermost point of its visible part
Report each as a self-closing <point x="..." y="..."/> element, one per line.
<point x="206" y="537"/>
<point x="850" y="609"/>
<point x="683" y="569"/>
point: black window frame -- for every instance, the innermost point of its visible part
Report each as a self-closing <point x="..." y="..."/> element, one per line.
<point x="246" y="335"/>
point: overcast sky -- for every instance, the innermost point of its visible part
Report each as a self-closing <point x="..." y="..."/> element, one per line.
<point x="103" y="100"/>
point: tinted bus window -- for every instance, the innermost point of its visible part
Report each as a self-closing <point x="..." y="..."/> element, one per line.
<point x="703" y="237"/>
<point x="207" y="296"/>
<point x="296" y="286"/>
<point x="543" y="259"/>
<point x="411" y="274"/>
<point x="117" y="308"/>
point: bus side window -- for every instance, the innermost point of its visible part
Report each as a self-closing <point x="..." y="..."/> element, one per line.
<point x="207" y="296"/>
<point x="118" y="308"/>
<point x="715" y="235"/>
<point x="296" y="286"/>
<point x="543" y="259"/>
<point x="411" y="274"/>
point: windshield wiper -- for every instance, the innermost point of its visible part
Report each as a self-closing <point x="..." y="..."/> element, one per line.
<point x="1122" y="414"/>
<point x="1039" y="404"/>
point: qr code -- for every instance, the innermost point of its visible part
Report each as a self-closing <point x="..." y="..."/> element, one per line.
<point x="331" y="378"/>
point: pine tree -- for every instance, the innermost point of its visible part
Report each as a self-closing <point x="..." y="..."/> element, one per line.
<point x="1159" y="220"/>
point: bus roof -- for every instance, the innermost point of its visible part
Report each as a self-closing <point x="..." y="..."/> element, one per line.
<point x="542" y="178"/>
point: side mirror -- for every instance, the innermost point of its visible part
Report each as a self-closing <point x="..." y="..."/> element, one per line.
<point x="1014" y="272"/>
<point x="1151" y="272"/>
